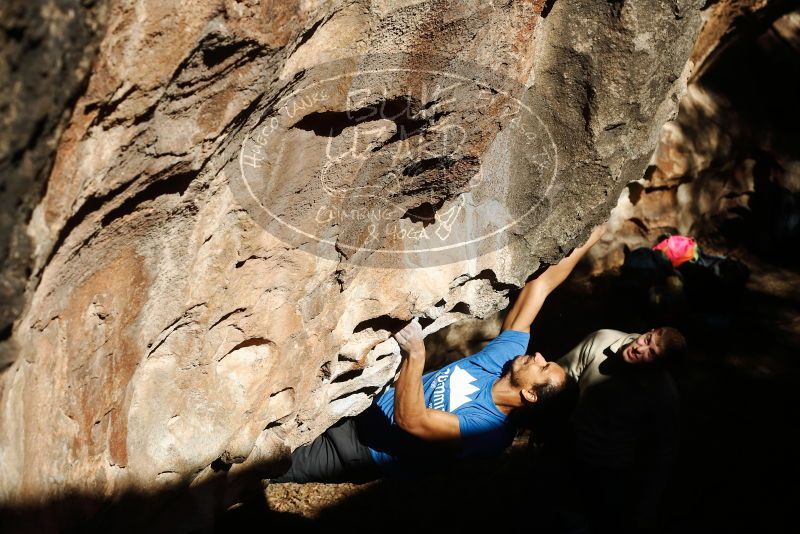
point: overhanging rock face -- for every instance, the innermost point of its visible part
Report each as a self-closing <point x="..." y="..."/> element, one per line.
<point x="247" y="200"/>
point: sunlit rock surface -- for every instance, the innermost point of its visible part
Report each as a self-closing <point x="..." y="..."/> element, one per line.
<point x="170" y="327"/>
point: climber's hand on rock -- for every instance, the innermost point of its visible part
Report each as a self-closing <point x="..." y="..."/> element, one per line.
<point x="597" y="232"/>
<point x="410" y="339"/>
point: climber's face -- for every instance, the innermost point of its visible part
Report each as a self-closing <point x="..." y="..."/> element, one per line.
<point x="533" y="373"/>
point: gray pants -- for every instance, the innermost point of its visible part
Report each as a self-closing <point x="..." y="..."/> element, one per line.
<point x="337" y="455"/>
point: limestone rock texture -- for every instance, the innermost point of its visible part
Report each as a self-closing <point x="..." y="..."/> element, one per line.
<point x="163" y="331"/>
<point x="728" y="166"/>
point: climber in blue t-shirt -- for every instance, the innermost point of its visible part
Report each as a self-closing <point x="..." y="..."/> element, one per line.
<point x="465" y="390"/>
<point x="460" y="411"/>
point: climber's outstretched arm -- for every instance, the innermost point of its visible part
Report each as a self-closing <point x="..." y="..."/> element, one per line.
<point x="535" y="292"/>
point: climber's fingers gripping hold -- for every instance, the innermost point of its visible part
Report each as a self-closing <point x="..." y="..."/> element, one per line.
<point x="410" y="338"/>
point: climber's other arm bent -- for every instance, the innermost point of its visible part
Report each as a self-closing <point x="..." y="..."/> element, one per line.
<point x="410" y="412"/>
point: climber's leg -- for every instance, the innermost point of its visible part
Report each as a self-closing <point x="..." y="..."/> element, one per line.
<point x="335" y="456"/>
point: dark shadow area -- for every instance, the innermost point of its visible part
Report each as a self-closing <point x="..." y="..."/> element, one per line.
<point x="753" y="83"/>
<point x="737" y="394"/>
<point x="180" y="509"/>
<point x="455" y="498"/>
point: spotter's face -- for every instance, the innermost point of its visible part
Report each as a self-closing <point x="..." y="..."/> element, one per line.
<point x="644" y="349"/>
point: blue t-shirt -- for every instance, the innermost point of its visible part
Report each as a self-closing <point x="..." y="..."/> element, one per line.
<point x="463" y="388"/>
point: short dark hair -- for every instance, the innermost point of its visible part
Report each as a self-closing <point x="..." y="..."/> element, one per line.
<point x="551" y="398"/>
<point x="549" y="391"/>
<point x="671" y="343"/>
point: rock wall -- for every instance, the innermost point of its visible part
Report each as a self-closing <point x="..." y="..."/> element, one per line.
<point x="727" y="169"/>
<point x="46" y="52"/>
<point x="209" y="286"/>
